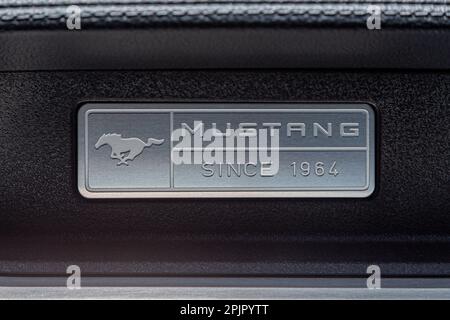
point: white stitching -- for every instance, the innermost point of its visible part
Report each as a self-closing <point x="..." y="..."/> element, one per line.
<point x="208" y="12"/>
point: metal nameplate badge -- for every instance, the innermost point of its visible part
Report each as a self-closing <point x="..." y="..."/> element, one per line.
<point x="172" y="150"/>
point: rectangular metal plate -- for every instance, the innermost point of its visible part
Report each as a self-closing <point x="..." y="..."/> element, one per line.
<point x="172" y="150"/>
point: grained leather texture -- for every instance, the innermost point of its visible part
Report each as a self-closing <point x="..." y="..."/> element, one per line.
<point x="404" y="226"/>
<point x="33" y="14"/>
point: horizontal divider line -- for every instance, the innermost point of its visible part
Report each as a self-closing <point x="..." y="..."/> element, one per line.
<point x="273" y="149"/>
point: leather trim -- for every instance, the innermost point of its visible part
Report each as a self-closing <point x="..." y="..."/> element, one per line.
<point x="144" y="34"/>
<point x="212" y="48"/>
<point x="33" y="14"/>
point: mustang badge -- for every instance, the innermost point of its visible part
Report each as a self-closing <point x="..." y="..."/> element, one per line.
<point x="125" y="149"/>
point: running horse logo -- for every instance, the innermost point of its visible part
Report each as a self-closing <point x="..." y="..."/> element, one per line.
<point x="125" y="149"/>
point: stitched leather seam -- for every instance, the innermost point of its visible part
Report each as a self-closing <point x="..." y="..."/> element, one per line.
<point x="24" y="3"/>
<point x="205" y="12"/>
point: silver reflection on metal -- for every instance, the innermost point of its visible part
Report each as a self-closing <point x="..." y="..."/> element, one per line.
<point x="172" y="150"/>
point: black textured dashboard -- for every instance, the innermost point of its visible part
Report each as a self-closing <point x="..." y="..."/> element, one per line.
<point x="407" y="214"/>
<point x="224" y="51"/>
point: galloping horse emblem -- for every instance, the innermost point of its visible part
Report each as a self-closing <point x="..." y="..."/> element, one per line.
<point x="125" y="149"/>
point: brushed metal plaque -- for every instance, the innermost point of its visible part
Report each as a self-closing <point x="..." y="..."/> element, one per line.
<point x="173" y="150"/>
